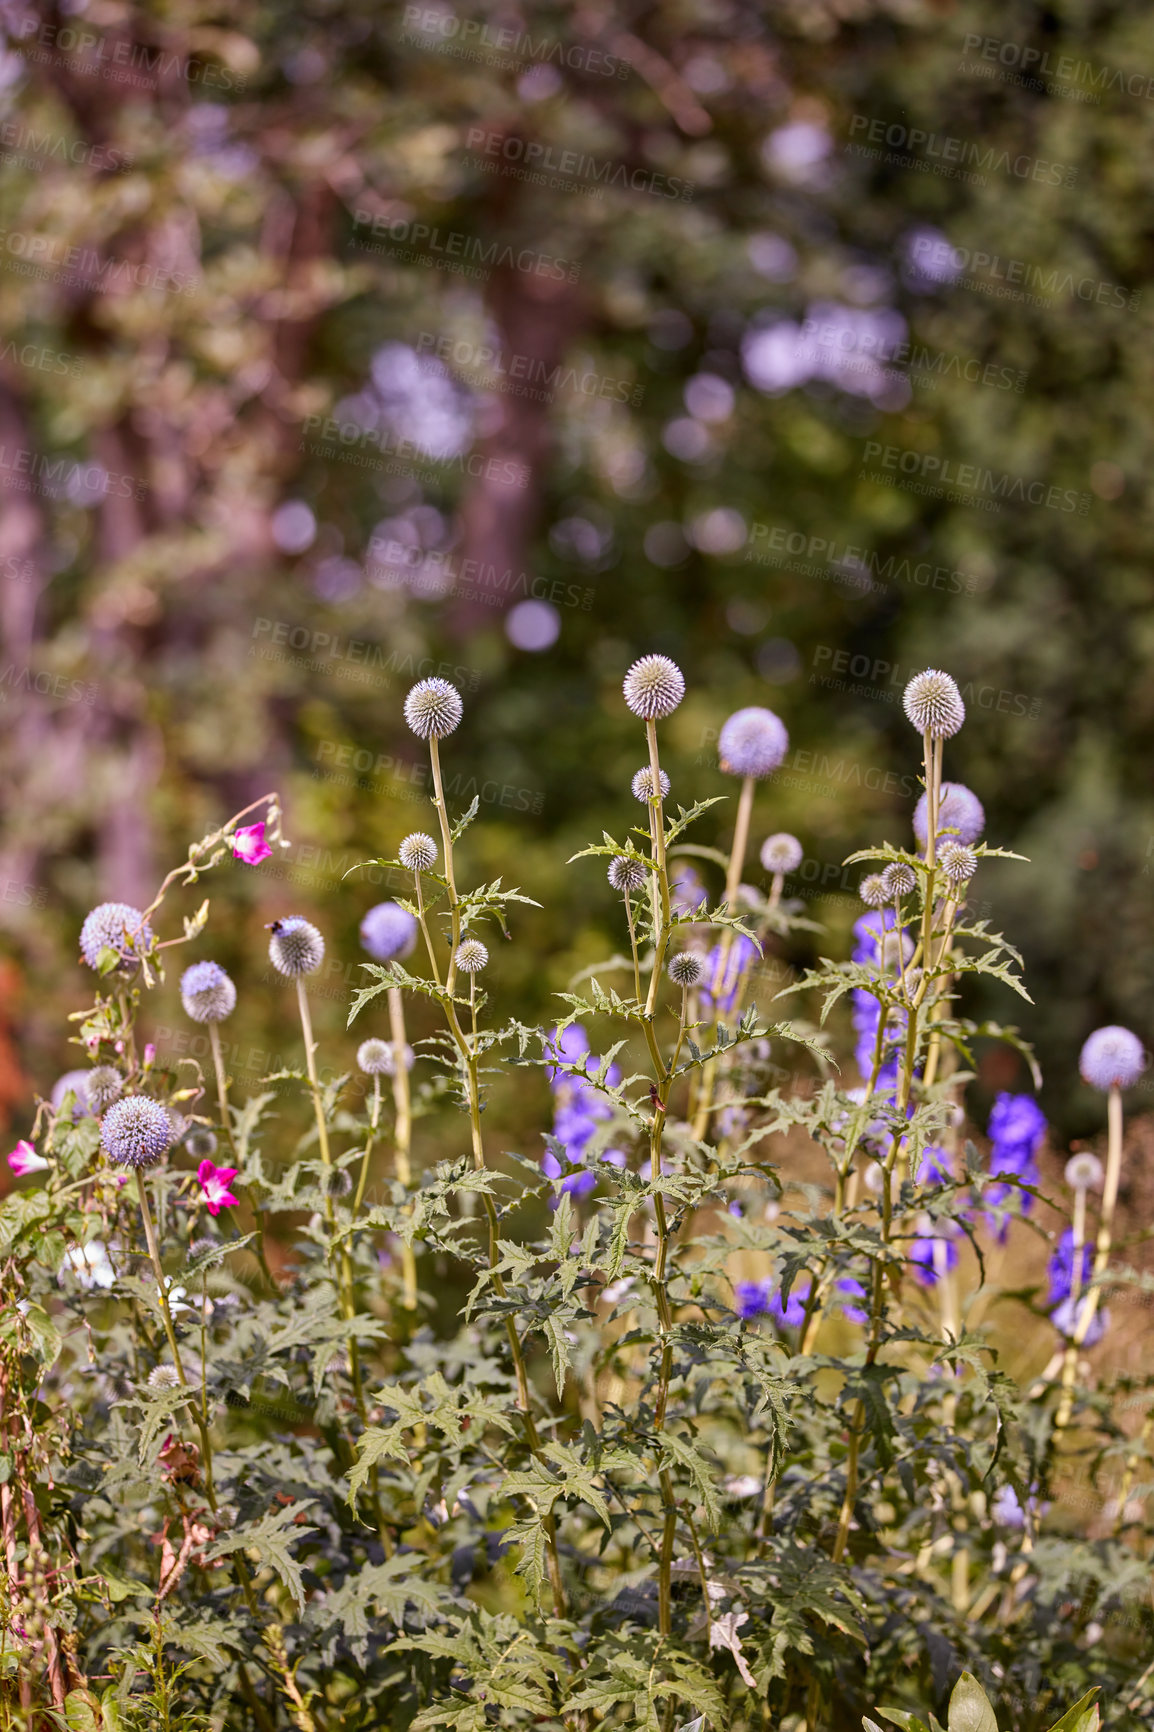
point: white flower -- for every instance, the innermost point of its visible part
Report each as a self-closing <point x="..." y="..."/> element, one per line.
<point x="91" y="1265"/>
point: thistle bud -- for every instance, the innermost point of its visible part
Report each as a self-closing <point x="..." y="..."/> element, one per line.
<point x="781" y="853"/>
<point x="418" y="852"/>
<point x="207" y="993"/>
<point x="686" y="969"/>
<point x="136" y="1132"/>
<point x="934" y="704"/>
<point x="653" y="687"/>
<point x="642" y="784"/>
<point x="873" y="892"/>
<point x="471" y="956"/>
<point x="958" y="862"/>
<point x="433" y="709"/>
<point x="898" y="879"/>
<point x="296" y="947"/>
<point x="625" y="874"/>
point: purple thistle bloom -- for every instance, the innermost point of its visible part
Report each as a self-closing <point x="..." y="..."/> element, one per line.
<point x="934" y="1166"/>
<point x="1066" y="1322"/>
<point x="763" y="1299"/>
<point x="718" y="991"/>
<point x="1061" y="1267"/>
<point x="752" y="1298"/>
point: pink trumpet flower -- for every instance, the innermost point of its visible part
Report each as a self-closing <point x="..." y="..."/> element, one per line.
<point x="214" y="1185"/>
<point x="249" y="844"/>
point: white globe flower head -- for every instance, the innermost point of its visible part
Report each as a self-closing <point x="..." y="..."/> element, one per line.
<point x="418" y="852"/>
<point x="1112" y="1058"/>
<point x="471" y="956"/>
<point x="433" y="709"/>
<point x="934" y="704"/>
<point x="781" y="853"/>
<point x="686" y="969"/>
<point x="642" y="784"/>
<point x="1084" y="1172"/>
<point x="653" y="687"/>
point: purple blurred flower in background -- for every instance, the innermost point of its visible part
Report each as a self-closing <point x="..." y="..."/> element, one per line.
<point x="934" y="1253"/>
<point x="718" y="991"/>
<point x="852" y="1289"/>
<point x="1016" y="1129"/>
<point x="1061" y="1299"/>
<point x="868" y="934"/>
<point x="577" y="1111"/>
<point x="763" y="1299"/>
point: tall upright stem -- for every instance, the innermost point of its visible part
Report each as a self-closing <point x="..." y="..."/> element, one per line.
<point x="402" y="1134"/>
<point x="226" y="1125"/>
<point x="732" y="882"/>
<point x="1083" y="1317"/>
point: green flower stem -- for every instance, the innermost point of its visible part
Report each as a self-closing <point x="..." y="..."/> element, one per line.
<point x="200" y="1415"/>
<point x="402" y="1133"/>
<point x="633" y="947"/>
<point x="469" y="1066"/>
<point x="374" y="1121"/>
<point x="226" y="1124"/>
<point x="1083" y="1320"/>
<point x="732" y="881"/>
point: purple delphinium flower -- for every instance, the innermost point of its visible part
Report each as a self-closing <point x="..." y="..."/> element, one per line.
<point x="934" y="1166"/>
<point x="719" y="989"/>
<point x="578" y="1110"/>
<point x="869" y="934"/>
<point x="1060" y="1270"/>
<point x="763" y="1299"/>
<point x="852" y="1290"/>
<point x="926" y="1258"/>
<point x="1016" y="1129"/>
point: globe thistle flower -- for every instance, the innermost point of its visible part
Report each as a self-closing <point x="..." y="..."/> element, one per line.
<point x="200" y="1143"/>
<point x="338" y="1182"/>
<point x="115" y="926"/>
<point x="418" y="852"/>
<point x="433" y="709"/>
<point x="959" y="811"/>
<point x="625" y="874"/>
<point x="752" y="742"/>
<point x="958" y="862"/>
<point x="164" y="1377"/>
<point x="895" y="946"/>
<point x="471" y="956"/>
<point x="296" y="947"/>
<point x="207" y="993"/>
<point x="653" y="687"/>
<point x="1084" y="1172"/>
<point x="375" y="1058"/>
<point x="898" y="879"/>
<point x="136" y="1132"/>
<point x="1112" y="1058"/>
<point x="686" y="969"/>
<point x="103" y="1085"/>
<point x="388" y="931"/>
<point x="873" y="892"/>
<point x="642" y="784"/>
<point x="781" y="853"/>
<point x="75" y="1083"/>
<point x="934" y="704"/>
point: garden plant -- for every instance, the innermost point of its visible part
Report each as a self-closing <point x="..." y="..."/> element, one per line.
<point x="719" y="1438"/>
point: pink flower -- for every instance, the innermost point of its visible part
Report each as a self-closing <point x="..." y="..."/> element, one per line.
<point x="24" y="1159"/>
<point x="249" y="844"/>
<point x="214" y="1183"/>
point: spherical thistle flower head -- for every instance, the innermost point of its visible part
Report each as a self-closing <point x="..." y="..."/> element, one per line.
<point x="752" y="742"/>
<point x="1112" y="1058"/>
<point x="873" y="892"/>
<point x="136" y="1132"/>
<point x="201" y="1144"/>
<point x="1084" y="1172"/>
<point x="164" y="1377"/>
<point x="418" y="852"/>
<point x="102" y="1086"/>
<point x="686" y="969"/>
<point x="896" y="949"/>
<point x="961" y="815"/>
<point x="625" y="874"/>
<point x="115" y="926"/>
<point x="471" y="956"/>
<point x="296" y="947"/>
<point x="642" y="784"/>
<point x="433" y="709"/>
<point x="207" y="993"/>
<point x="934" y="704"/>
<point x="781" y="852"/>
<point x="375" y="1058"/>
<point x="899" y="879"/>
<point x="958" y="862"/>
<point x="388" y="931"/>
<point x="653" y="687"/>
